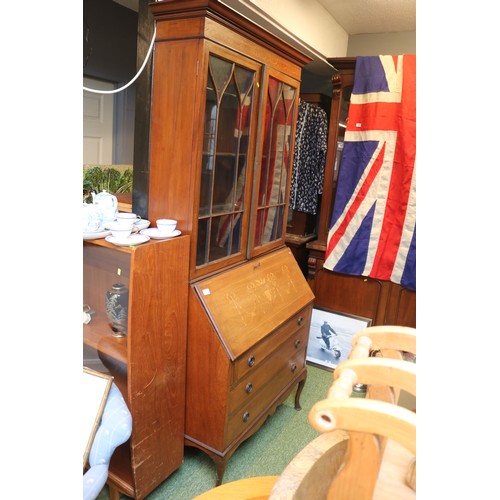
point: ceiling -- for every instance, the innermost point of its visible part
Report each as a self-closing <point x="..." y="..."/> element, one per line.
<point x="358" y="16"/>
<point x="373" y="16"/>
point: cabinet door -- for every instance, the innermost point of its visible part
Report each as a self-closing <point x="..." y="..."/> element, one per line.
<point x="277" y="133"/>
<point x="226" y="165"/>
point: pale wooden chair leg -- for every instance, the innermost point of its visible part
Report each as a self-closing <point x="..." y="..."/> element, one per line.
<point x="360" y="468"/>
<point x="411" y="475"/>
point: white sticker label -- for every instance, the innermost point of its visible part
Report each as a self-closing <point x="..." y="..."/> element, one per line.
<point x="206" y="291"/>
<point x="358" y="125"/>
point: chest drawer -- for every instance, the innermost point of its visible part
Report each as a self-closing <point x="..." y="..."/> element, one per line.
<point x="253" y="357"/>
<point x="243" y="418"/>
<point x="257" y="379"/>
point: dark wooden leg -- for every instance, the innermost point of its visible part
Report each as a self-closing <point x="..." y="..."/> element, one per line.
<point x="297" y="394"/>
<point x="114" y="494"/>
<point x="220" y="465"/>
<point x="220" y="462"/>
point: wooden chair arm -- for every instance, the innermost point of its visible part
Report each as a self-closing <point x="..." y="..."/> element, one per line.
<point x="399" y="338"/>
<point x="380" y="371"/>
<point x="366" y="415"/>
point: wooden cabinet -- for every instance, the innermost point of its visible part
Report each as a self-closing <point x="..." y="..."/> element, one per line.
<point x="382" y="301"/>
<point x="224" y="106"/>
<point x="248" y="335"/>
<point x="149" y="363"/>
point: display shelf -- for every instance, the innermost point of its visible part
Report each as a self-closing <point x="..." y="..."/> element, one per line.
<point x="149" y="363"/>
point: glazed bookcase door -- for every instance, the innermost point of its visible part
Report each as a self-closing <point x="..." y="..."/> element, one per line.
<point x="273" y="177"/>
<point x="231" y="99"/>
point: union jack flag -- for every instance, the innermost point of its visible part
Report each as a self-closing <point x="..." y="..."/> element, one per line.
<point x="373" y="227"/>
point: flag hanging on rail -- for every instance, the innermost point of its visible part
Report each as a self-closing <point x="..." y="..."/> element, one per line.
<point x="373" y="227"/>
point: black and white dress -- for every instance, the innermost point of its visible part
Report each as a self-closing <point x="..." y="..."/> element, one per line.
<point x="309" y="158"/>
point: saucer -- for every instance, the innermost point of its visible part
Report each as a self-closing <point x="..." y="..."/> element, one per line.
<point x="156" y="234"/>
<point x="142" y="224"/>
<point x="133" y="239"/>
<point x="95" y="235"/>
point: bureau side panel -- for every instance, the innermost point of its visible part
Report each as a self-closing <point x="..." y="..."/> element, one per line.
<point x="207" y="379"/>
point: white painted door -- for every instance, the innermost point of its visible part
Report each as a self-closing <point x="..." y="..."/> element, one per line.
<point x="97" y="124"/>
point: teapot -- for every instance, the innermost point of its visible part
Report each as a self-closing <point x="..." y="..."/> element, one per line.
<point x="107" y="204"/>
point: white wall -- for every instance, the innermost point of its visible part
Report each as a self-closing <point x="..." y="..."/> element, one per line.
<point x="308" y="26"/>
<point x="374" y="44"/>
<point x="317" y="34"/>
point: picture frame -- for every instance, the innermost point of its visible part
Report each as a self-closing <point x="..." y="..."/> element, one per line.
<point x="344" y="325"/>
<point x="95" y="388"/>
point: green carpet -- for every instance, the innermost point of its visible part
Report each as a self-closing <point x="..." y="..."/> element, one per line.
<point x="266" y="453"/>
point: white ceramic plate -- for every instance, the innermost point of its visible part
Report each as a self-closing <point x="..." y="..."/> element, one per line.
<point x="95" y="235"/>
<point x="133" y="239"/>
<point x="156" y="234"/>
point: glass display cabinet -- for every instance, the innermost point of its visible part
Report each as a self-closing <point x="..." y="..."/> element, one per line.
<point x="224" y="108"/>
<point x="226" y="167"/>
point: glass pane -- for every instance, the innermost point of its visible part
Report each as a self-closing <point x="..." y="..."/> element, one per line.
<point x="236" y="242"/>
<point x="202" y="243"/>
<point x="244" y="80"/>
<point x="259" y="225"/>
<point x="220" y="240"/>
<point x="267" y="154"/>
<point x="227" y="143"/>
<point x="226" y="135"/>
<point x="280" y="221"/>
<point x="278" y="145"/>
<point x="225" y="239"/>
<point x="344" y="111"/>
<point x="223" y="199"/>
<point x="268" y="226"/>
<point x="275" y="164"/>
<point x="221" y="72"/>
<point x="208" y="148"/>
<point x="289" y="99"/>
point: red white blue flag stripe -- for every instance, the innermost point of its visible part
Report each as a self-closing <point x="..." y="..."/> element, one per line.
<point x="373" y="227"/>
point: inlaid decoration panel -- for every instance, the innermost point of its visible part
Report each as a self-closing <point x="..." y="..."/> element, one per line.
<point x="247" y="303"/>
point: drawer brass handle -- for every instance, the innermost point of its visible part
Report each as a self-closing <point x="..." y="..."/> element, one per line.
<point x="251" y="361"/>
<point x="297" y="343"/>
<point x="294" y="368"/>
<point x="300" y="321"/>
<point x="249" y="387"/>
<point x="246" y="416"/>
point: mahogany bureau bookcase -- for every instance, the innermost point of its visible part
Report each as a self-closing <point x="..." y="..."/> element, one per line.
<point x="224" y="105"/>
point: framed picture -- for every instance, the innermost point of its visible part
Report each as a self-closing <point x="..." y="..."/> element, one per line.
<point x="330" y="336"/>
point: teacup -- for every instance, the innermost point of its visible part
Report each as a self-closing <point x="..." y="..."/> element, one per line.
<point x="166" y="226"/>
<point x="121" y="231"/>
<point x="127" y="218"/>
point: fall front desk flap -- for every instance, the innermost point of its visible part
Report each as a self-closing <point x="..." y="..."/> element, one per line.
<point x="247" y="303"/>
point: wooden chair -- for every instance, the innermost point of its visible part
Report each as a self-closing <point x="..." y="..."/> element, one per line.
<point x="368" y="445"/>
